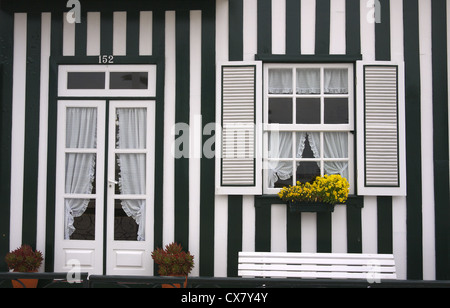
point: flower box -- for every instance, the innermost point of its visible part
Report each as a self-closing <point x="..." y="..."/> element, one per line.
<point x="313" y="207"/>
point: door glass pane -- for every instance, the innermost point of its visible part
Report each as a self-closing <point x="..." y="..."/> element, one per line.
<point x="130" y="172"/>
<point x="129" y="220"/>
<point x="80" y="173"/>
<point x="131" y="128"/>
<point x="128" y="80"/>
<point x="79" y="219"/>
<point x="85" y="80"/>
<point x="280" y="110"/>
<point x="81" y="128"/>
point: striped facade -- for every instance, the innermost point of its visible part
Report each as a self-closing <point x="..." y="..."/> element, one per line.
<point x="185" y="39"/>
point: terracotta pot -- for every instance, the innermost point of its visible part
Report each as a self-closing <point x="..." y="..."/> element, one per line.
<point x="25" y="283"/>
<point x="175" y="285"/>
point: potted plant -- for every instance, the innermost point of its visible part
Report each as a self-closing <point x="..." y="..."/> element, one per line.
<point x="24" y="259"/>
<point x="173" y="261"/>
<point x="321" y="195"/>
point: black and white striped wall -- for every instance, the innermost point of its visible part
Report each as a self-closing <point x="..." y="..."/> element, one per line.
<point x="186" y="39"/>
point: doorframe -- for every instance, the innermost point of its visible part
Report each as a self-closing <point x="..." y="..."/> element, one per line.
<point x="54" y="62"/>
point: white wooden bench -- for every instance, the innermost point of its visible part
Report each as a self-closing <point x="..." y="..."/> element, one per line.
<point x="371" y="267"/>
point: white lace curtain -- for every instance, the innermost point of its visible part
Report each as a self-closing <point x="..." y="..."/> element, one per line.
<point x="335" y="146"/>
<point x="132" y="135"/>
<point x="308" y="81"/>
<point x="81" y="129"/>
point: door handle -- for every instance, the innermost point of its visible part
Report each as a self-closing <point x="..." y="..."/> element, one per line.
<point x="113" y="182"/>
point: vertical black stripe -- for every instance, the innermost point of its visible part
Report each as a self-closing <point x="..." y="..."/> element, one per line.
<point x="207" y="173"/>
<point x="262" y="224"/>
<point x="383" y="53"/>
<point x="81" y="35"/>
<point x="440" y="138"/>
<point x="293" y="231"/>
<point x="106" y="32"/>
<point x="384" y="224"/>
<point x="234" y="238"/>
<point x="324" y="232"/>
<point x="133" y="31"/>
<point x="182" y="118"/>
<point x="413" y="144"/>
<point x="159" y="52"/>
<point x="353" y="27"/>
<point x="354" y="229"/>
<point x="322" y="27"/>
<point x="293" y="26"/>
<point x="31" y="157"/>
<point x="6" y="71"/>
<point x="236" y="30"/>
<point x="383" y="33"/>
<point x="56" y="50"/>
<point x="264" y="27"/>
<point x="235" y="53"/>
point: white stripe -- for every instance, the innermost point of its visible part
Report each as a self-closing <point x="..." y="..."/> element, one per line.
<point x="426" y="84"/>
<point x="339" y="229"/>
<point x="146" y="33"/>
<point x="250" y="29"/>
<point x="398" y="203"/>
<point x="169" y="122"/>
<point x="221" y="30"/>
<point x="367" y="31"/>
<point x="43" y="131"/>
<point x="337" y="27"/>
<point x="18" y="127"/>
<point x="279" y="27"/>
<point x="68" y="37"/>
<point x="369" y="225"/>
<point x="93" y="34"/>
<point x="278" y="230"/>
<point x="308" y="27"/>
<point x="120" y="33"/>
<point x="195" y="142"/>
<point x="309" y="232"/>
<point x="248" y="223"/>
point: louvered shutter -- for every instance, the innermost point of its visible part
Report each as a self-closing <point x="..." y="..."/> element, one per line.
<point x="238" y="136"/>
<point x="380" y="129"/>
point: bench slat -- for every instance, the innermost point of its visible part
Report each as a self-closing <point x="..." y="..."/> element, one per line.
<point x="316" y="265"/>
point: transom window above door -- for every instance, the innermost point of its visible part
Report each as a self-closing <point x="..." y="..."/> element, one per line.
<point x="107" y="80"/>
<point x="308" y="123"/>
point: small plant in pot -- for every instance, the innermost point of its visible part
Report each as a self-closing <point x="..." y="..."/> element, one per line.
<point x="173" y="261"/>
<point x="26" y="260"/>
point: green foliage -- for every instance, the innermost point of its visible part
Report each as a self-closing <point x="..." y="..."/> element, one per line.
<point x="24" y="259"/>
<point x="173" y="260"/>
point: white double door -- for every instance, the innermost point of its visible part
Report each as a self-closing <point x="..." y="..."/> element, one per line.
<point x="104" y="186"/>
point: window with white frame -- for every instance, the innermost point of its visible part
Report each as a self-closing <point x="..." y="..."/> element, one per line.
<point x="308" y="123"/>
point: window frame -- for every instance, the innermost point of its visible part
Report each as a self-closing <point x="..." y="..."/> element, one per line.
<point x="269" y="127"/>
<point x="64" y="70"/>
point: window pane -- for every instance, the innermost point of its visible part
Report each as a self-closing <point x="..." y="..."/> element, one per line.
<point x="83" y="226"/>
<point x="336" y="111"/>
<point x="280" y="81"/>
<point x="280" y="174"/>
<point x="310" y="148"/>
<point x="308" y="111"/>
<point x="308" y="81"/>
<point x="280" y="110"/>
<point x="307" y="171"/>
<point x="128" y="80"/>
<point x="335" y="144"/>
<point x="85" y="80"/>
<point x="336" y="81"/>
<point x="129" y="220"/>
<point x="280" y="145"/>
